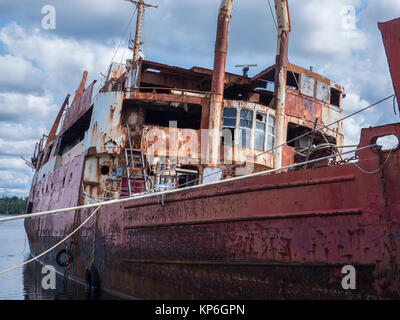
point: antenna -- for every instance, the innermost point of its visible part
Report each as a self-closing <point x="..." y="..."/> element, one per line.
<point x="140" y="4"/>
<point x="245" y="68"/>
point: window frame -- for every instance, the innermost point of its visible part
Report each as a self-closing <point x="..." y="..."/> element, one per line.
<point x="270" y="134"/>
<point x="259" y="130"/>
<point x="246" y="128"/>
<point x="229" y="127"/>
<point x="251" y="128"/>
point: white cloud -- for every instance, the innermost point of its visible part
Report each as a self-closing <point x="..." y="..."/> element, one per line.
<point x="37" y="68"/>
<point x="19" y="75"/>
<point x="20" y="132"/>
<point x="10" y="179"/>
<point x="62" y="60"/>
<point x="352" y="129"/>
<point x="11" y="192"/>
<point x="353" y="102"/>
<point x="26" y="108"/>
<point x="15" y="164"/>
<point x="322" y="29"/>
<point x="16" y="148"/>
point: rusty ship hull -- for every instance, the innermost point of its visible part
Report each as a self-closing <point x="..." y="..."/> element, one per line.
<point x="254" y="237"/>
<point x="281" y="235"/>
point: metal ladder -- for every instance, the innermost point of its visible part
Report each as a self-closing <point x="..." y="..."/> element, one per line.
<point x="134" y="159"/>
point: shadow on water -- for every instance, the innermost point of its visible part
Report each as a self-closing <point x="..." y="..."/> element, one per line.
<point x="65" y="290"/>
<point x="25" y="283"/>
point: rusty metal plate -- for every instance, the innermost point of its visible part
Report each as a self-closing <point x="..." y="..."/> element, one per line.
<point x="391" y="38"/>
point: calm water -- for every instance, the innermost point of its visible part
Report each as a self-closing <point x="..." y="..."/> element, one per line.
<point x="24" y="283"/>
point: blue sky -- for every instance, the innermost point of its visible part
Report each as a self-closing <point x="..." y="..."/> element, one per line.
<point x="39" y="67"/>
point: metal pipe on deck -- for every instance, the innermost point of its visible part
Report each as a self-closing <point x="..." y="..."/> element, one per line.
<point x="281" y="66"/>
<point x="218" y="80"/>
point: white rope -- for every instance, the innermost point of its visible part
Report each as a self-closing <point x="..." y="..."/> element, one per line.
<point x="156" y="194"/>
<point x="142" y="196"/>
<point x="53" y="247"/>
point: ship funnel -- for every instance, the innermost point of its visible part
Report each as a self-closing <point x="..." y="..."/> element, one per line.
<point x="218" y="81"/>
<point x="221" y="47"/>
<point x="391" y="38"/>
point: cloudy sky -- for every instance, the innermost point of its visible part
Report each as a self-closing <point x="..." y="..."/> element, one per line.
<point x="39" y="67"/>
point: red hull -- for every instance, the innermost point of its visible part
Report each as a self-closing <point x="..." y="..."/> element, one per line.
<point x="391" y="38"/>
<point x="284" y="235"/>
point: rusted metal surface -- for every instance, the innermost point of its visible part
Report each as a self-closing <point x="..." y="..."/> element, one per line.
<point x="303" y="107"/>
<point x="218" y="81"/>
<point x="221" y="47"/>
<point x="56" y="123"/>
<point x="115" y="71"/>
<point x="106" y="130"/>
<point x="81" y="87"/>
<point x="391" y="38"/>
<point x="77" y="109"/>
<point x="279" y="101"/>
<point x="257" y="234"/>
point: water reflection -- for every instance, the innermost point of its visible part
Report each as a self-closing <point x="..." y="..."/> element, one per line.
<point x="25" y="283"/>
<point x="65" y="290"/>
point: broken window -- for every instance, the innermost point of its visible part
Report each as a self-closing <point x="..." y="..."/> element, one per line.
<point x="245" y="126"/>
<point x="322" y="91"/>
<point x="187" y="116"/>
<point x="260" y="131"/>
<point x="335" y="97"/>
<point x="292" y="81"/>
<point x="307" y="85"/>
<point x="228" y="124"/>
<point x="271" y="134"/>
<point x="236" y="92"/>
<point x="75" y="134"/>
<point x="294" y="131"/>
<point x="46" y="159"/>
<point x="187" y="176"/>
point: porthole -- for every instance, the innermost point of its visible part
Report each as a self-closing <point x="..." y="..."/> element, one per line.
<point x="104" y="170"/>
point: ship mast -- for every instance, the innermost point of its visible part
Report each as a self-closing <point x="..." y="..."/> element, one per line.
<point x="132" y="75"/>
<point x="139" y="22"/>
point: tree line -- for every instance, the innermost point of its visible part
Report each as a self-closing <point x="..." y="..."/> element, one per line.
<point x="13" y="205"/>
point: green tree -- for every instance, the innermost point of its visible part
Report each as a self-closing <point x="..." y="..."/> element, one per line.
<point x="12" y="205"/>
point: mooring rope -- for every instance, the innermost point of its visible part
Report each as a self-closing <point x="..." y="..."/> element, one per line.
<point x="55" y="246"/>
<point x="142" y="196"/>
<point x="162" y="193"/>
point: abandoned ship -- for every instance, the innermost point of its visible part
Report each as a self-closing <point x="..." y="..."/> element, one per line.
<point x="203" y="184"/>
